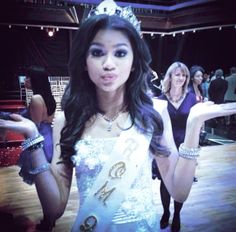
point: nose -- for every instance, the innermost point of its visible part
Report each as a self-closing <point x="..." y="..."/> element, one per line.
<point x="108" y="63"/>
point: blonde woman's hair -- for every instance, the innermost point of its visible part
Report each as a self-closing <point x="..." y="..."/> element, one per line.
<point x="166" y="83"/>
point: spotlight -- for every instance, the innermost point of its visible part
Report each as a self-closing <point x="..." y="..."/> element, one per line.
<point x="220" y="28"/>
<point x="182" y="32"/>
<point x="173" y="34"/>
<point x="50" y="32"/>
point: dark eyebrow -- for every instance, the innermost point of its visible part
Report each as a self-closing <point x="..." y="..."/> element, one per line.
<point x="116" y="45"/>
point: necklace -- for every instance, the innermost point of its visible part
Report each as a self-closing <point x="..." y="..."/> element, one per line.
<point x="176" y="100"/>
<point x="109" y="120"/>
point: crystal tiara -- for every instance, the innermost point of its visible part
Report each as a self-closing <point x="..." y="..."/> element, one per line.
<point x="109" y="7"/>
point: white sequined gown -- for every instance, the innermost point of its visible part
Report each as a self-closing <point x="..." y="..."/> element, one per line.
<point x="137" y="212"/>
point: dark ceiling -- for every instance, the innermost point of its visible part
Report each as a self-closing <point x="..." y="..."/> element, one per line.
<point x="159" y="16"/>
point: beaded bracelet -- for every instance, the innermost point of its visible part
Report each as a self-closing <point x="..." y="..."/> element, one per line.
<point x="35" y="147"/>
<point x="189" y="153"/>
<point x="32" y="141"/>
<point x="40" y="169"/>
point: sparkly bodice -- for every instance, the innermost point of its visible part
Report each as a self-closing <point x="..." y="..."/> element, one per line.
<point x="91" y="155"/>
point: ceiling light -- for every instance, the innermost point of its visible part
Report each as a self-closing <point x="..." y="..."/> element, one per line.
<point x="50" y="32"/>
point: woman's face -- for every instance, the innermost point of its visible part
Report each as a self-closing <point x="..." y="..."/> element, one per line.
<point x="109" y="60"/>
<point x="198" y="77"/>
<point x="178" y="78"/>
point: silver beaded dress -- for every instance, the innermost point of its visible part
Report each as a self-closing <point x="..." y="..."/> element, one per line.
<point x="137" y="212"/>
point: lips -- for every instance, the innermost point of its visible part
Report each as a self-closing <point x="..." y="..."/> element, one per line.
<point x="109" y="77"/>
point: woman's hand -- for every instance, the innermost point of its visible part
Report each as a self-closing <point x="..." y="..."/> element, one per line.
<point x="207" y="110"/>
<point x="20" y="125"/>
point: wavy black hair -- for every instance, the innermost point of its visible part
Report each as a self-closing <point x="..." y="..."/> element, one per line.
<point x="41" y="85"/>
<point x="193" y="70"/>
<point x="81" y="100"/>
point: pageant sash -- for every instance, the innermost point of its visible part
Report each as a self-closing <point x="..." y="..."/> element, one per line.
<point x="113" y="182"/>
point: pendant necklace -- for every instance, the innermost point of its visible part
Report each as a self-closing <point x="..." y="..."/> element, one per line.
<point x="109" y="120"/>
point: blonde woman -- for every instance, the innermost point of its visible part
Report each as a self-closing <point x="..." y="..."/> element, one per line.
<point x="180" y="101"/>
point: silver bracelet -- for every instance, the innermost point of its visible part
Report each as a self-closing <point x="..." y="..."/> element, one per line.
<point x="40" y="169"/>
<point x="189" y="153"/>
<point x="32" y="141"/>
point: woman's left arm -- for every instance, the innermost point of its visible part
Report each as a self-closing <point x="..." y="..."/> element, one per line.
<point x="178" y="172"/>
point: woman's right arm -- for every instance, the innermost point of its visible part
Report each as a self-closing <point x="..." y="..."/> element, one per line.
<point x="53" y="186"/>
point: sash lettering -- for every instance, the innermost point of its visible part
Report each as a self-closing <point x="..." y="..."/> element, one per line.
<point x="131" y="146"/>
<point x="103" y="193"/>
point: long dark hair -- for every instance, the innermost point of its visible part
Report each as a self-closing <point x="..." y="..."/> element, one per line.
<point x="41" y="85"/>
<point x="81" y="101"/>
<point x="193" y="70"/>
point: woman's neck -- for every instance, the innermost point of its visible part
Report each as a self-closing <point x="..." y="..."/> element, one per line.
<point x="175" y="95"/>
<point x="111" y="103"/>
<point x="176" y="92"/>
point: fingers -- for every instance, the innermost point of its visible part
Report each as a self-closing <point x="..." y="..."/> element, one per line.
<point x="208" y="103"/>
<point x="229" y="106"/>
<point x="16" y="117"/>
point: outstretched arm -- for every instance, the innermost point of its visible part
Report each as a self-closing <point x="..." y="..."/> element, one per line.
<point x="178" y="172"/>
<point x="52" y="185"/>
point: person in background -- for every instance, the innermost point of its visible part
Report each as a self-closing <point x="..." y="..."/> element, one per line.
<point x="153" y="84"/>
<point x="110" y="131"/>
<point x="230" y="95"/>
<point x="205" y="86"/>
<point x="42" y="105"/>
<point x="196" y="77"/>
<point x="180" y="101"/>
<point x="213" y="75"/>
<point x="195" y="86"/>
<point x="40" y="110"/>
<point x="218" y="87"/>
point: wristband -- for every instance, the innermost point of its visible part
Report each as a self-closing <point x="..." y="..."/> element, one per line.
<point x="32" y="141"/>
<point x="40" y="169"/>
<point x="189" y="153"/>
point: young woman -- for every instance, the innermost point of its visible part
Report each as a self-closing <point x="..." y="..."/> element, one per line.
<point x="42" y="105"/>
<point x="110" y="131"/>
<point x="180" y="101"/>
<point x="196" y="78"/>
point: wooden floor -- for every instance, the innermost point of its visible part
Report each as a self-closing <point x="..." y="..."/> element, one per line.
<point x="211" y="206"/>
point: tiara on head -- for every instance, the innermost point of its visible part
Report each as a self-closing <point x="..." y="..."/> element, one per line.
<point x="109" y="7"/>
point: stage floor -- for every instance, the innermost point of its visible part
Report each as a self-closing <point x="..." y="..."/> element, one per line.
<point x="211" y="206"/>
